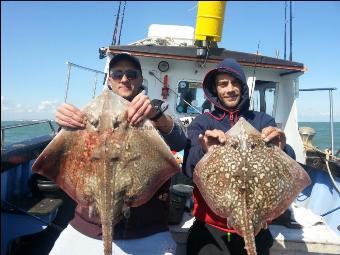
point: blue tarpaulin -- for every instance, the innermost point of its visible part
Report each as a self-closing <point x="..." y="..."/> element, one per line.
<point x="322" y="198"/>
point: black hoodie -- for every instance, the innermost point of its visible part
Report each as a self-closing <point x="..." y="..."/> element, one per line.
<point x="220" y="119"/>
<point x="229" y="66"/>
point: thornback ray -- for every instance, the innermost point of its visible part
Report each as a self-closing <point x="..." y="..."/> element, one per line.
<point x="248" y="182"/>
<point x="109" y="165"/>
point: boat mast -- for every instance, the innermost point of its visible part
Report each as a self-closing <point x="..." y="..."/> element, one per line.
<point x="291" y="32"/>
<point x="121" y="23"/>
<point x="285" y="35"/>
<point x="115" y="31"/>
<point x="118" y="25"/>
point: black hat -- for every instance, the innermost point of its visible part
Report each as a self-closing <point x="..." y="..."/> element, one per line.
<point x="125" y="56"/>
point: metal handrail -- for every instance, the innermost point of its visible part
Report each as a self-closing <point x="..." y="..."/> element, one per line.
<point x="69" y="65"/>
<point x="23" y="125"/>
<point x="331" y="120"/>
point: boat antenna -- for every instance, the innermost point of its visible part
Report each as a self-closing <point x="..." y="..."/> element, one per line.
<point x="115" y="31"/>
<point x="291" y="32"/>
<point x="285" y="34"/>
<point x="121" y="23"/>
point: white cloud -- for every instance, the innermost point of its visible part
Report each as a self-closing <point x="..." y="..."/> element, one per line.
<point x="8" y="106"/>
<point x="314" y="114"/>
<point x="14" y="111"/>
<point x="48" y="106"/>
<point x="19" y="108"/>
<point x="4" y="104"/>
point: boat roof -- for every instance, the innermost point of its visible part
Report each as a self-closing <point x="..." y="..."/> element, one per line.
<point x="215" y="56"/>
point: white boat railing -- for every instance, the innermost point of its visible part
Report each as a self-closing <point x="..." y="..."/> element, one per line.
<point x="331" y="119"/>
<point x="69" y="65"/>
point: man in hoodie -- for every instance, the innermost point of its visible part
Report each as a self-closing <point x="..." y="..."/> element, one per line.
<point x="226" y="88"/>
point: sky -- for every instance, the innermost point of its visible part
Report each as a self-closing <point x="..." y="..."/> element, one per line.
<point x="38" y="38"/>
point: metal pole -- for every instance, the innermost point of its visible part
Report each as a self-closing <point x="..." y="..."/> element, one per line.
<point x="69" y="75"/>
<point x="85" y="68"/>
<point x="251" y="96"/>
<point x="121" y="23"/>
<point x="331" y="119"/>
<point x="330" y="90"/>
<point x="114" y="37"/>
<point x="285" y="44"/>
<point x="67" y="80"/>
<point x="2" y="138"/>
<point x="51" y="126"/>
<point x="95" y="85"/>
<point x="291" y="33"/>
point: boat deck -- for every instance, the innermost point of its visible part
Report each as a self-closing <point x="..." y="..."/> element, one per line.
<point x="315" y="239"/>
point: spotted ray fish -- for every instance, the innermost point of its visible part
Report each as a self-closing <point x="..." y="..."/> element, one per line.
<point x="248" y="182"/>
<point x="109" y="166"/>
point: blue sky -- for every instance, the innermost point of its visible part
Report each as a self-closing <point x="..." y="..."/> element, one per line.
<point x="37" y="38"/>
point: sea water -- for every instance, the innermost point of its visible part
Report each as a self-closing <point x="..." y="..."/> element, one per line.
<point x="321" y="139"/>
<point x="18" y="134"/>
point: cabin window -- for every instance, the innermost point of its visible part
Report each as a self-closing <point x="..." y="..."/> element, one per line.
<point x="264" y="99"/>
<point x="191" y="99"/>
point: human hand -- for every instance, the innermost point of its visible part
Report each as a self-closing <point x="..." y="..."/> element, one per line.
<point x="69" y="116"/>
<point x="274" y="135"/>
<point x="139" y="109"/>
<point x="210" y="138"/>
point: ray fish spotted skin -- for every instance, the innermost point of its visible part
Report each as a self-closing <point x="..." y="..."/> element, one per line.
<point x="109" y="166"/>
<point x="248" y="182"/>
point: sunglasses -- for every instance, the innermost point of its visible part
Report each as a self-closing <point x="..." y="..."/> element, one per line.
<point x="130" y="74"/>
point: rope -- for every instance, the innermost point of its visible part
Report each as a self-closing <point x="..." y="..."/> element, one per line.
<point x="328" y="154"/>
<point x="317" y="150"/>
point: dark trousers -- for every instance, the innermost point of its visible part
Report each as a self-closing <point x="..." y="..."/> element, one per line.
<point x="206" y="240"/>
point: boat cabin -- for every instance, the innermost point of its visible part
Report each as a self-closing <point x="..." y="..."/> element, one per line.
<point x="175" y="73"/>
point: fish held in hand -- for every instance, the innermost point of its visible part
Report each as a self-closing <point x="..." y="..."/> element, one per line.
<point x="109" y="165"/>
<point x="248" y="182"/>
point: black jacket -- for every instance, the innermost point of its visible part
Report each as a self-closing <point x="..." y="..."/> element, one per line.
<point x="221" y="118"/>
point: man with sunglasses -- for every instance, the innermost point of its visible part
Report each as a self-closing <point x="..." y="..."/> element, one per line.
<point x="145" y="231"/>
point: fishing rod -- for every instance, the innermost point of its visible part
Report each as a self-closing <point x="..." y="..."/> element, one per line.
<point x="198" y="111"/>
<point x="251" y="96"/>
